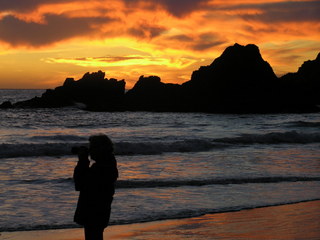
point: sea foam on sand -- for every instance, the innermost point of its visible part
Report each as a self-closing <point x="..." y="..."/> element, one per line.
<point x="292" y="221"/>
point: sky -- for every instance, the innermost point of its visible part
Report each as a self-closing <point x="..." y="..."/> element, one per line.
<point x="42" y="42"/>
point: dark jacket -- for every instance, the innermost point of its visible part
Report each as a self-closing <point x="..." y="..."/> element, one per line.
<point x="96" y="186"/>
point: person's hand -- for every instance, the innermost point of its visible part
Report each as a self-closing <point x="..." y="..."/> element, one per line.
<point x="83" y="154"/>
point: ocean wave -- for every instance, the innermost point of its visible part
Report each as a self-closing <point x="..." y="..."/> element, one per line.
<point x="305" y="124"/>
<point x="40" y="181"/>
<point x="193" y="145"/>
<point x="121" y="148"/>
<point x="214" y="181"/>
<point x="164" y="216"/>
<point x="273" y="138"/>
<point x="34" y="150"/>
<point x="156" y="147"/>
<point x="58" y="138"/>
<point x="122" y="184"/>
<point x="188" y="213"/>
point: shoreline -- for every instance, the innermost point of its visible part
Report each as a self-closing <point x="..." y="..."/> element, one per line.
<point x="290" y="221"/>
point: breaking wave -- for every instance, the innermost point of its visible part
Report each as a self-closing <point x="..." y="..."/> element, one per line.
<point x="149" y="218"/>
<point x="305" y="124"/>
<point x="273" y="138"/>
<point x="157" y="147"/>
<point x="121" y="148"/>
<point x="179" y="183"/>
<point x="59" y="138"/>
<point x="222" y="181"/>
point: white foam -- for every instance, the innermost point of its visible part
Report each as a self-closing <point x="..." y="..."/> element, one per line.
<point x="154" y="147"/>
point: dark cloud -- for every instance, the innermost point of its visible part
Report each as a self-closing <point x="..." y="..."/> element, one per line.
<point x="181" y="38"/>
<point x="195" y="42"/>
<point x="206" y="40"/>
<point x="287" y="54"/>
<point x="261" y="29"/>
<point x="181" y="8"/>
<point x="202" y="46"/>
<point x="178" y="8"/>
<point x="56" y="28"/>
<point x="146" y="31"/>
<point x="26" y="5"/>
<point x="287" y="11"/>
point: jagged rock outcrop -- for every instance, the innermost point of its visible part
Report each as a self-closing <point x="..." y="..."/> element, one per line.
<point x="237" y="81"/>
<point x="6" y="104"/>
<point x="92" y="90"/>
<point x="301" y="90"/>
<point x="150" y="94"/>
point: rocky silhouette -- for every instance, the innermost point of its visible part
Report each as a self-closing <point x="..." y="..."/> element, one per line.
<point x="300" y="91"/>
<point x="150" y="94"/>
<point x="239" y="81"/>
<point x="6" y="104"/>
<point x="93" y="91"/>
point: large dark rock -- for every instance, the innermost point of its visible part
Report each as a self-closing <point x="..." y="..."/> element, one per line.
<point x="6" y="104"/>
<point x="92" y="90"/>
<point x="150" y="94"/>
<point x="301" y="90"/>
<point x="237" y="81"/>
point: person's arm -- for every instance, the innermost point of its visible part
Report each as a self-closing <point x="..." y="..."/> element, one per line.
<point x="81" y="170"/>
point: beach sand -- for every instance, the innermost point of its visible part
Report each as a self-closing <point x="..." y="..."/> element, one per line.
<point x="293" y="221"/>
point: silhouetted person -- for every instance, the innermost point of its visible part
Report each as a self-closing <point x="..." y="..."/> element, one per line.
<point x="96" y="185"/>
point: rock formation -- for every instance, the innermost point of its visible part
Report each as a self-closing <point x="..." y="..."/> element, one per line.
<point x="150" y="94"/>
<point x="301" y="90"/>
<point x="239" y="81"/>
<point x="92" y="90"/>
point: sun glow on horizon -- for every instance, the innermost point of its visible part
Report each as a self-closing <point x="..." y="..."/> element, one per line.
<point x="42" y="43"/>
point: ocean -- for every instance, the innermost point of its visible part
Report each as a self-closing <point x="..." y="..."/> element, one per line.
<point x="171" y="165"/>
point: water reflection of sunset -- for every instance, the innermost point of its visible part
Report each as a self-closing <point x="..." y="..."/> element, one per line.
<point x="43" y="42"/>
<point x="298" y="221"/>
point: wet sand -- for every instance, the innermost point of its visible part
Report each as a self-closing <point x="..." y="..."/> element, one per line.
<point x="293" y="221"/>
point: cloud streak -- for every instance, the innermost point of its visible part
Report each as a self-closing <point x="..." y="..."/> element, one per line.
<point x="285" y="11"/>
<point x="177" y="8"/>
<point x="157" y="37"/>
<point x="119" y="61"/>
<point x="146" y="31"/>
<point x="29" y="5"/>
<point x="54" y="29"/>
<point x="149" y="19"/>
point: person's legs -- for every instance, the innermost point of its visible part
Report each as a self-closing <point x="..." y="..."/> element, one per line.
<point x="93" y="233"/>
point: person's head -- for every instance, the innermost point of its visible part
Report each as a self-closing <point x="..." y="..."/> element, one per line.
<point x="100" y="147"/>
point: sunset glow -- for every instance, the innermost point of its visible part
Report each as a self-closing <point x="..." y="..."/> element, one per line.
<point x="44" y="41"/>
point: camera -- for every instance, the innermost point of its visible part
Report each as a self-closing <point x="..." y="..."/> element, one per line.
<point x="75" y="150"/>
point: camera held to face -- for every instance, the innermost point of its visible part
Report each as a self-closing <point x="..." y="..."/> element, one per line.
<point x="77" y="150"/>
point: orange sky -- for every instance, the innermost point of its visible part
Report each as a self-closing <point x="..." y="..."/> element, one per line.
<point x="44" y="41"/>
